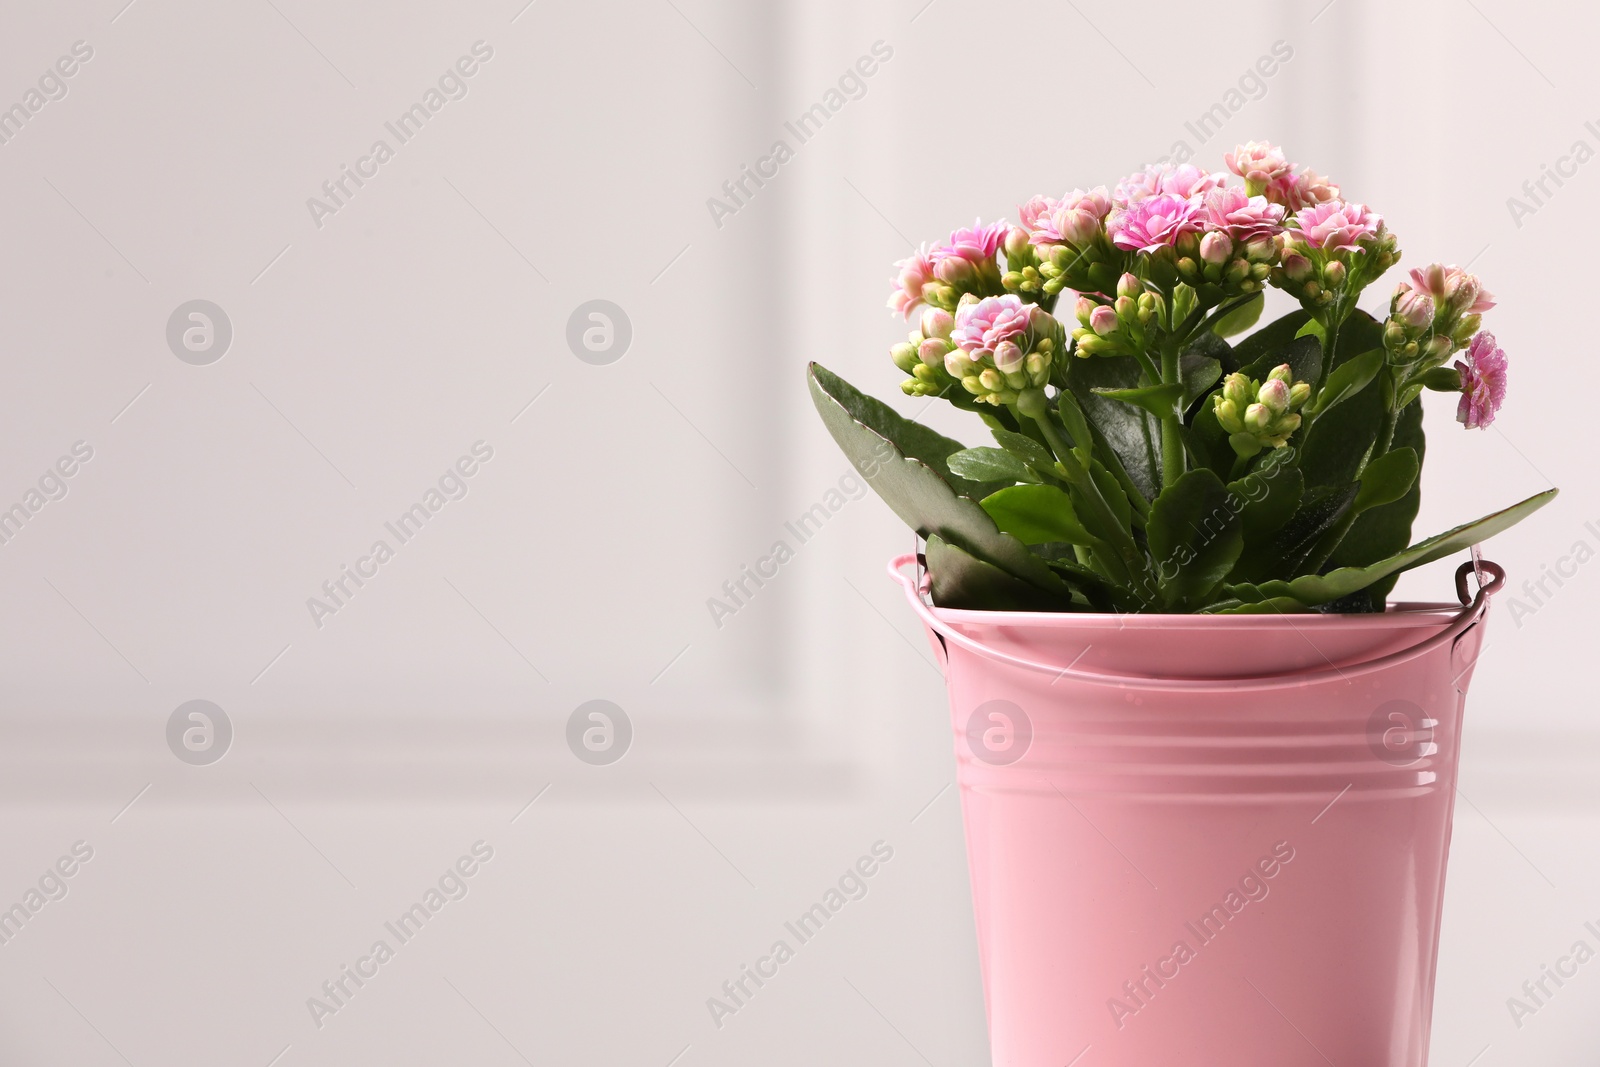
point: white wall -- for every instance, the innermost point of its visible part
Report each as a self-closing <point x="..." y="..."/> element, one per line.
<point x="371" y="351"/>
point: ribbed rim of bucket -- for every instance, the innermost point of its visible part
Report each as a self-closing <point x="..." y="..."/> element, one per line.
<point x="1400" y="615"/>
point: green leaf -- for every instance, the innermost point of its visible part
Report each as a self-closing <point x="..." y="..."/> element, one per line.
<point x="1026" y="449"/>
<point x="1131" y="433"/>
<point x="1303" y="355"/>
<point x="958" y="579"/>
<point x="1199" y="370"/>
<point x="1387" y="478"/>
<point x="915" y="491"/>
<point x="990" y="465"/>
<point x="1195" y="535"/>
<point x="1270" y="338"/>
<point x="909" y="438"/>
<point x="1346" y="380"/>
<point x="1269" y="495"/>
<point x="1278" y="605"/>
<point x="1241" y="318"/>
<point x="1443" y="380"/>
<point x="1386" y="529"/>
<point x="1358" y="333"/>
<point x="1334" y="449"/>
<point x="1314" y="589"/>
<point x="1207" y="442"/>
<point x="1158" y="400"/>
<point x="1036" y="515"/>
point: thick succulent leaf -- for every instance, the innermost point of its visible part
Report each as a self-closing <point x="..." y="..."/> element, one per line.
<point x="958" y="579"/>
<point x="1270" y="494"/>
<point x="990" y="465"/>
<point x="909" y="438"/>
<point x="1158" y="400"/>
<point x="1334" y="448"/>
<point x="1346" y="380"/>
<point x="1133" y="435"/>
<point x="1195" y="535"/>
<point x="1358" y="334"/>
<point x="1036" y="515"/>
<point x="1386" y="529"/>
<point x="1302" y="354"/>
<point x="1207" y="442"/>
<point x="1200" y="367"/>
<point x="1286" y="551"/>
<point x="1271" y="337"/>
<point x="1241" y="318"/>
<point x="1026" y="449"/>
<point x="922" y="498"/>
<point x="1387" y="478"/>
<point x="1314" y="589"/>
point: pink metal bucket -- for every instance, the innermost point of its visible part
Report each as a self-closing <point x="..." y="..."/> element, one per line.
<point x="1199" y="841"/>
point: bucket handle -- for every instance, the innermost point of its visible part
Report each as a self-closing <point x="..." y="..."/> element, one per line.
<point x="1470" y="613"/>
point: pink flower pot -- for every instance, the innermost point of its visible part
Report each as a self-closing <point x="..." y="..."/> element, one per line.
<point x="1207" y="840"/>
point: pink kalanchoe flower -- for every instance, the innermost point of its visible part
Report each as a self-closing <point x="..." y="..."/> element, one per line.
<point x="1035" y="211"/>
<point x="1454" y="287"/>
<point x="1242" y="216"/>
<point x="984" y="324"/>
<point x="1074" y="219"/>
<point x="911" y="274"/>
<point x="976" y="243"/>
<point x="1483" y="382"/>
<point x="1183" y="180"/>
<point x="1337" y="226"/>
<point x="1298" y="191"/>
<point x="1258" y="162"/>
<point x="1156" y="222"/>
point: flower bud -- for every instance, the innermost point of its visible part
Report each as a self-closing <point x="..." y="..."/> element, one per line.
<point x="972" y="385"/>
<point x="1466" y="328"/>
<point x="1038" y="367"/>
<point x="959" y="364"/>
<point x="932" y="350"/>
<point x="1008" y="357"/>
<point x="1281" y="373"/>
<point x="1215" y="248"/>
<point x="1236" y="390"/>
<point x="1041" y="322"/>
<point x="1228" y="416"/>
<point x="1296" y="266"/>
<point x="1083" y="309"/>
<point x="904" y="356"/>
<point x="953" y="271"/>
<point x="1129" y="285"/>
<point x="1261" y="249"/>
<point x="937" y="322"/>
<point x="1257" y="418"/>
<point x="1299" y="393"/>
<point x="1274" y="396"/>
<point x="1016" y="242"/>
<point x="991" y="380"/>
<point x="1079" y="227"/>
<point x="1334" y="274"/>
<point x="1413" y="309"/>
<point x="1103" y="320"/>
<point x="925" y="373"/>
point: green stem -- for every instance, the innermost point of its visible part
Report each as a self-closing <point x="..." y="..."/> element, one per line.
<point x="1172" y="454"/>
<point x="1127" y="554"/>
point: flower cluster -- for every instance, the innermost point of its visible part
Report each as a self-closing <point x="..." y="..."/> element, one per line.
<point x="1260" y="415"/>
<point x="939" y="276"/>
<point x="1434" y="313"/>
<point x="1175" y="466"/>
<point x="1062" y="244"/>
<point x="1168" y="251"/>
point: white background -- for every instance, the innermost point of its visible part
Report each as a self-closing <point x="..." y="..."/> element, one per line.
<point x="372" y="350"/>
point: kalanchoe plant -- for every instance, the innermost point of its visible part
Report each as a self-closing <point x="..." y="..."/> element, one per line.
<point x="1142" y="462"/>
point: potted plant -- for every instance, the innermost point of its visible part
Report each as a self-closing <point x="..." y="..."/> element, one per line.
<point x="1207" y="771"/>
